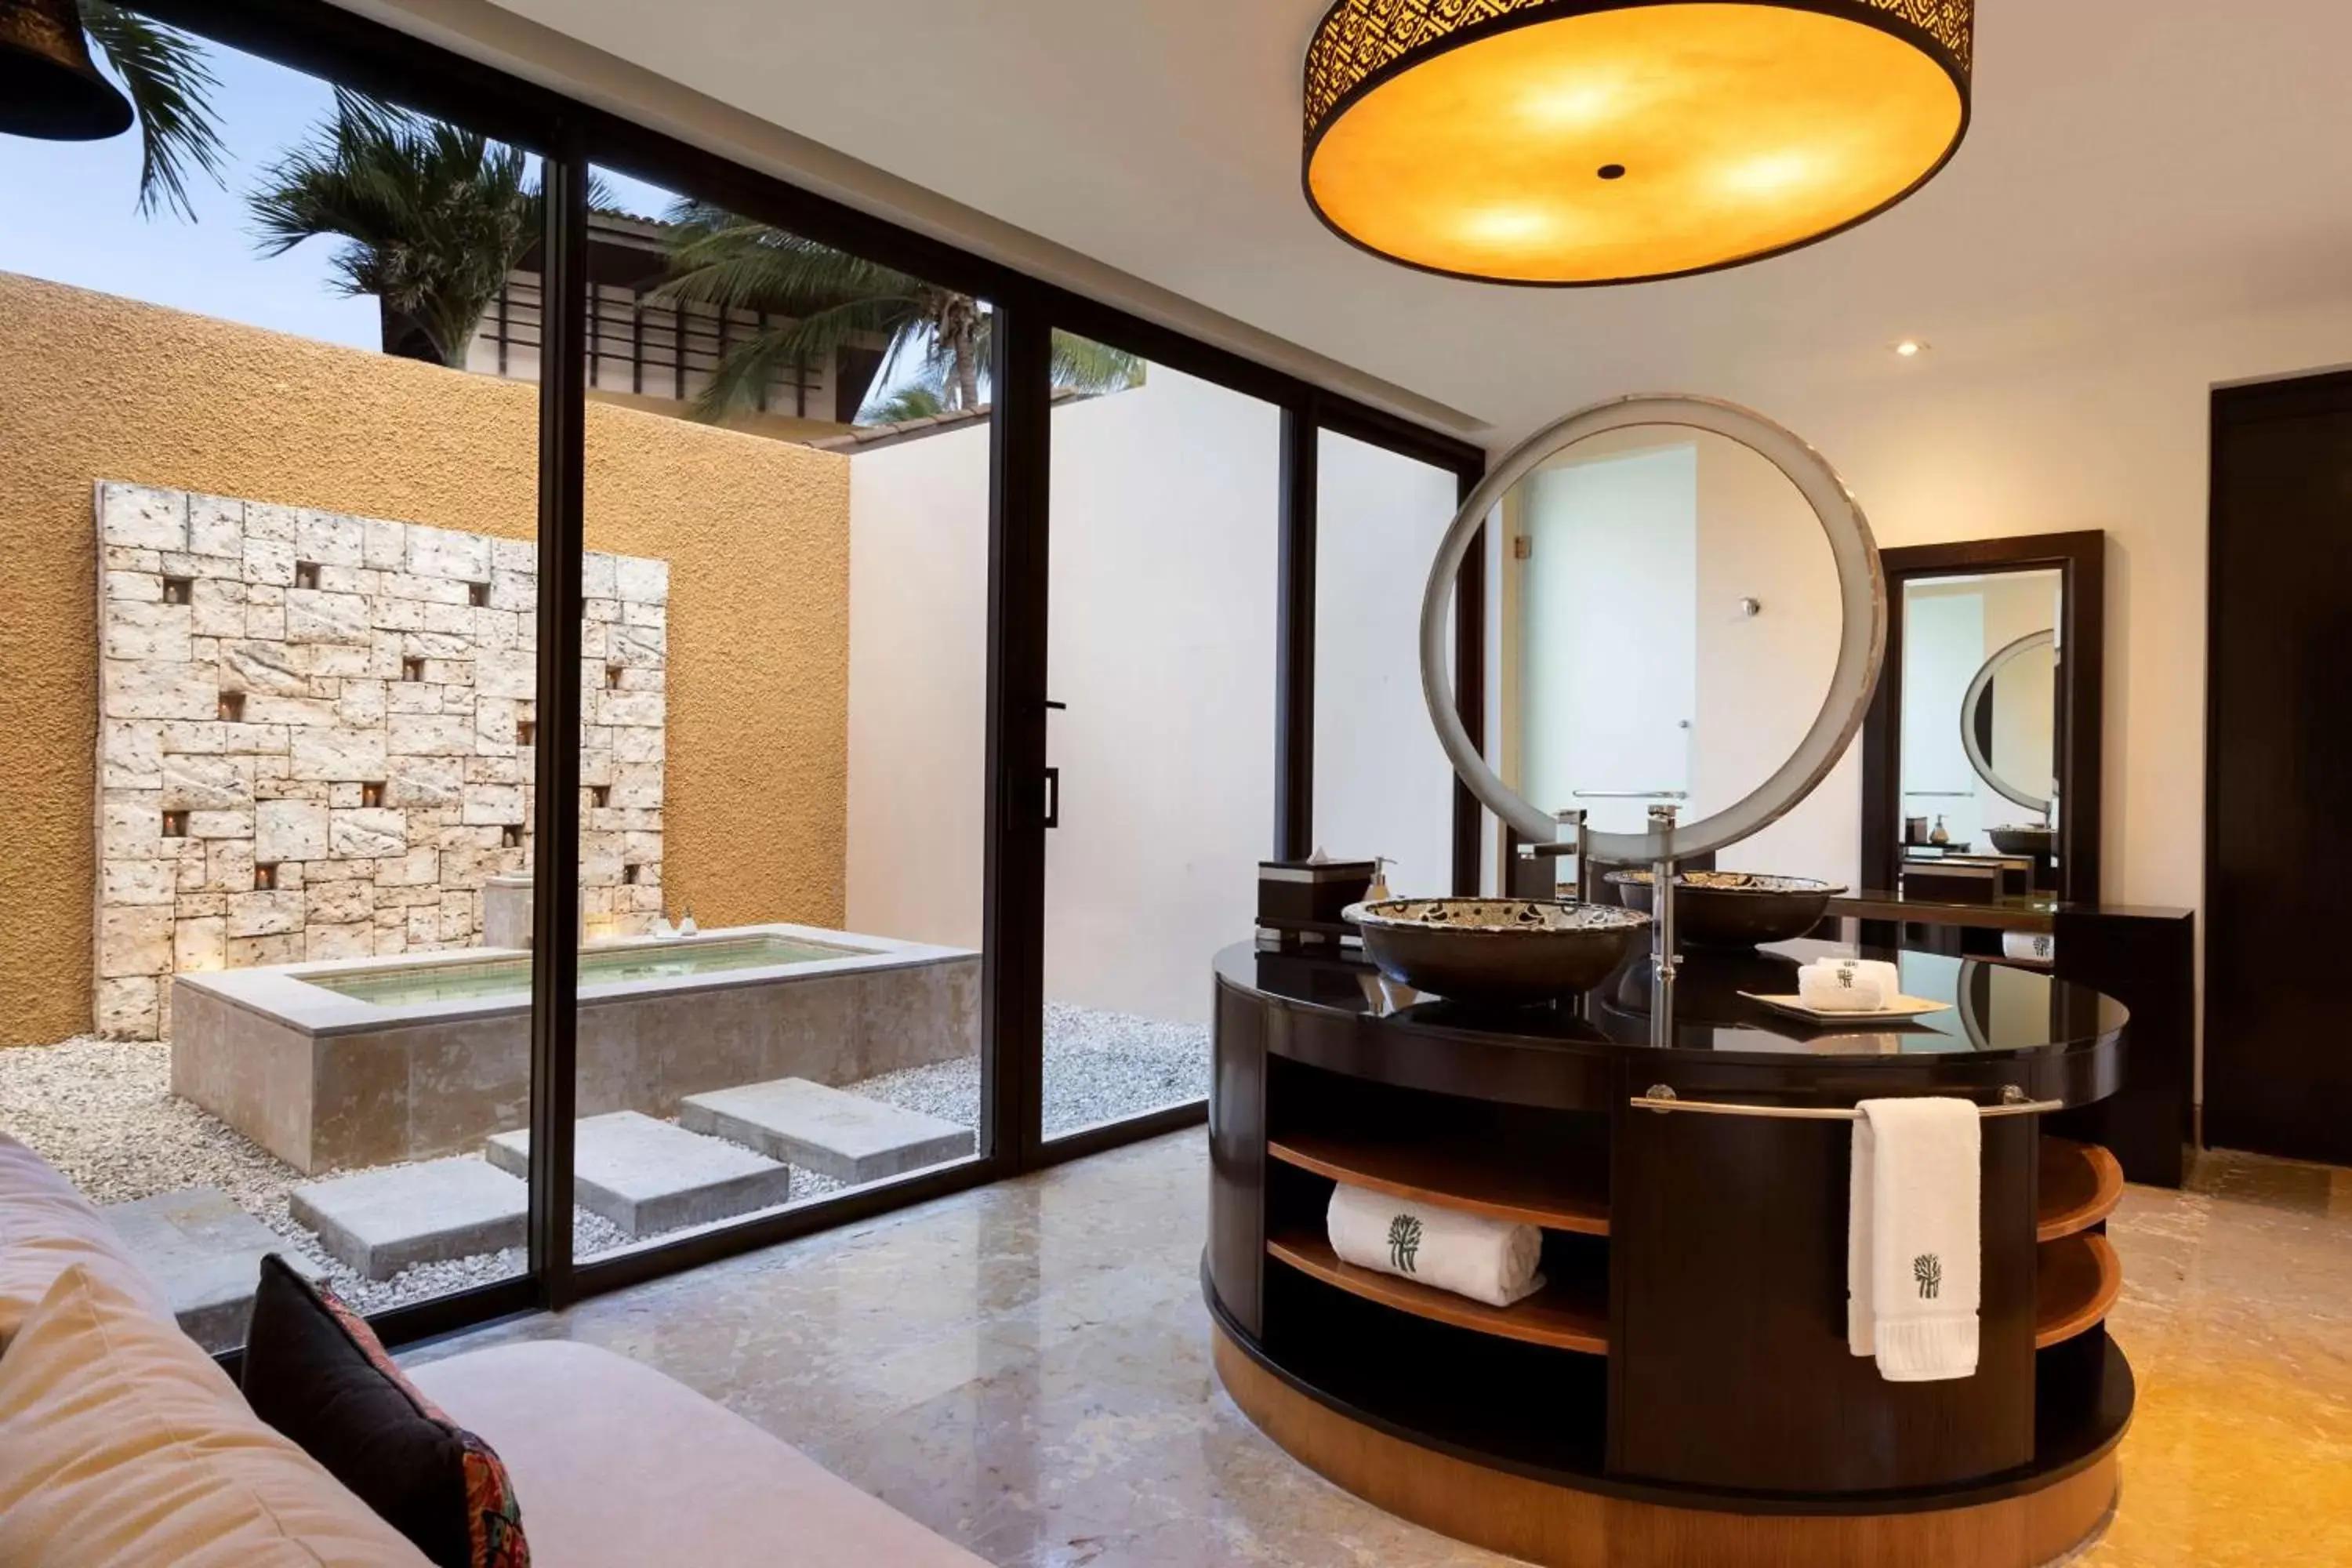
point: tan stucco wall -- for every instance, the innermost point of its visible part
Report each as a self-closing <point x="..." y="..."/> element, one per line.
<point x="756" y="533"/>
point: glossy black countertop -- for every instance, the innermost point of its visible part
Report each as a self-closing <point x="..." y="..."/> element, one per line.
<point x="1998" y="1011"/>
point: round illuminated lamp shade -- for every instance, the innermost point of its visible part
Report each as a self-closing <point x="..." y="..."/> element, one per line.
<point x="1585" y="141"/>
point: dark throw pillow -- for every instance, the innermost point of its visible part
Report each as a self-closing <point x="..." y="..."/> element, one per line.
<point x="315" y="1371"/>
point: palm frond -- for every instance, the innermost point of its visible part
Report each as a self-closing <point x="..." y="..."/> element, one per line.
<point x="433" y="216"/>
<point x="163" y="73"/>
<point x="1082" y="364"/>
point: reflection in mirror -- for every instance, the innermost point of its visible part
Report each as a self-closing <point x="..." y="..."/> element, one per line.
<point x="1677" y="618"/>
<point x="1981" y="713"/>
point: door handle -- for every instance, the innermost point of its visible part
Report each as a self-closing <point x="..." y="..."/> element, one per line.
<point x="1053" y="797"/>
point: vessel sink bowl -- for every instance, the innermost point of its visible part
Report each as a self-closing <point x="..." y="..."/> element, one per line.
<point x="2023" y="840"/>
<point x="1498" y="952"/>
<point x="1734" y="908"/>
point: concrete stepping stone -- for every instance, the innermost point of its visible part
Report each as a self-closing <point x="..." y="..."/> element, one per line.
<point x="835" y="1133"/>
<point x="381" y="1222"/>
<point x="646" y="1175"/>
<point x="205" y="1253"/>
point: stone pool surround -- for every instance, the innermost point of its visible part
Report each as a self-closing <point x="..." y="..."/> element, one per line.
<point x="327" y="1082"/>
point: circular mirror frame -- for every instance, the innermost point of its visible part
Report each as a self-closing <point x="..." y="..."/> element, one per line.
<point x="1862" y="637"/>
<point x="1977" y="689"/>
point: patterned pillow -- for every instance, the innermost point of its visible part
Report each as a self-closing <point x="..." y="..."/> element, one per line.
<point x="315" y="1371"/>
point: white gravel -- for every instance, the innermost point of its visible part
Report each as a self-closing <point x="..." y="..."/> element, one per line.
<point x="102" y="1112"/>
<point x="1099" y="1067"/>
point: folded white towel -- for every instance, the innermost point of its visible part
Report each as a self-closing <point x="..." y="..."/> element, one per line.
<point x="1838" y="988"/>
<point x="1488" y="1260"/>
<point x="2028" y="947"/>
<point x="1913" y="1265"/>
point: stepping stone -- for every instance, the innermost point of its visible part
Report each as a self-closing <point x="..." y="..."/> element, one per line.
<point x="646" y="1175"/>
<point x="845" y="1136"/>
<point x="205" y="1253"/>
<point x="381" y="1222"/>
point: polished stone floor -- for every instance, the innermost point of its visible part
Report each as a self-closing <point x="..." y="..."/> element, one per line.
<point x="1025" y="1370"/>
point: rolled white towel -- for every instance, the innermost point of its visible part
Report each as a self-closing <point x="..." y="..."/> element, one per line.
<point x="2028" y="947"/>
<point x="1840" y="988"/>
<point x="1488" y="1260"/>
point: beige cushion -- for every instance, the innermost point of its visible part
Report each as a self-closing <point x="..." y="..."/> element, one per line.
<point x="46" y="1228"/>
<point x="614" y="1464"/>
<point x="122" y="1444"/>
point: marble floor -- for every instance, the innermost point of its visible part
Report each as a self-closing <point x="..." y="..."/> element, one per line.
<point x="1025" y="1370"/>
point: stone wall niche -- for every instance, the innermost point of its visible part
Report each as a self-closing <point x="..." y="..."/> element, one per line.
<point x="312" y="739"/>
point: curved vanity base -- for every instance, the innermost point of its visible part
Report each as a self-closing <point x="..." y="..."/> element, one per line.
<point x="1565" y="1527"/>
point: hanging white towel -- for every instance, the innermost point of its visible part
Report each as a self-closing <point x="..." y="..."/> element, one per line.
<point x="1913" y="1263"/>
<point x="1488" y="1260"/>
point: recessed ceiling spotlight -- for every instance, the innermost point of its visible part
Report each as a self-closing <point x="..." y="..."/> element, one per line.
<point x="1909" y="348"/>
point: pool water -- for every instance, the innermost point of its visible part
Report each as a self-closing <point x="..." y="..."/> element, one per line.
<point x="409" y="985"/>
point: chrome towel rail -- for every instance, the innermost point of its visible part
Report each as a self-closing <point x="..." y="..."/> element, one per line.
<point x="1662" y="1100"/>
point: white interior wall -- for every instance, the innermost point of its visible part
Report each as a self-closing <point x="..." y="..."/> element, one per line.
<point x="1382" y="785"/>
<point x="1942" y="647"/>
<point x="1160" y="640"/>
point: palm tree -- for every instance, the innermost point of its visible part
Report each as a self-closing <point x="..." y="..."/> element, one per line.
<point x="164" y="74"/>
<point x="433" y="219"/>
<point x="825" y="299"/>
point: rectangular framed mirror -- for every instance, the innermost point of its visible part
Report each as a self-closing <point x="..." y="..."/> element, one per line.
<point x="1980" y="756"/>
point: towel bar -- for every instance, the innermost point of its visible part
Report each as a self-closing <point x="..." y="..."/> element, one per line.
<point x="1662" y="1100"/>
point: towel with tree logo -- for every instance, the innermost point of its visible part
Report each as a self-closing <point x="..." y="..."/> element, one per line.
<point x="1488" y="1260"/>
<point x="1911" y="1239"/>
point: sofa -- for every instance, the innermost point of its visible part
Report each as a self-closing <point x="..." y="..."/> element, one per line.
<point x="611" y="1462"/>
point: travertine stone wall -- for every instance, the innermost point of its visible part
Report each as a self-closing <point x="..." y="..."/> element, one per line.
<point x="316" y="738"/>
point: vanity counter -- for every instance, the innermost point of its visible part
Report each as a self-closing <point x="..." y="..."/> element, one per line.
<point x="1680" y="1390"/>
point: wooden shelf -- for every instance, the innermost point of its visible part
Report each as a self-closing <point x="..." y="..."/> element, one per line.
<point x="1454" y="1177"/>
<point x="2081" y="1184"/>
<point x="2076" y="1280"/>
<point x="1566" y="1314"/>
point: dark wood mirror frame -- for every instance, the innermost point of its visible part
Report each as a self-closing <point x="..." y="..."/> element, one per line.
<point x="2082" y="558"/>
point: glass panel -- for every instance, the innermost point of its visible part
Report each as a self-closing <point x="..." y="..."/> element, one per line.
<point x="309" y="542"/>
<point x="784" y="673"/>
<point x="1165" y="496"/>
<point x="1382" y="785"/>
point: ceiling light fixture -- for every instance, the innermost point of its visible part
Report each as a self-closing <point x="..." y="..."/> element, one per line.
<point x="1910" y="347"/>
<point x="1629" y="138"/>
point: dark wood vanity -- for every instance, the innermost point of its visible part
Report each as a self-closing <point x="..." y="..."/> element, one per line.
<point x="1681" y="1390"/>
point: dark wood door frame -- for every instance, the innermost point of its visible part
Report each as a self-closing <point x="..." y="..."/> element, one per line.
<point x="2082" y="558"/>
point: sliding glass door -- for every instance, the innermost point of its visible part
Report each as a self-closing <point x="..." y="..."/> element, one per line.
<point x="1160" y="690"/>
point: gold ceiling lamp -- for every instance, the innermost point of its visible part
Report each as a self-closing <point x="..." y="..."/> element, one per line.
<point x="1587" y="141"/>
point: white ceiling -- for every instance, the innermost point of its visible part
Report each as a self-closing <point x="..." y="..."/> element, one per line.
<point x="2133" y="162"/>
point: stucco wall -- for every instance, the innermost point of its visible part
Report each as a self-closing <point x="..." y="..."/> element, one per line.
<point x="756" y="531"/>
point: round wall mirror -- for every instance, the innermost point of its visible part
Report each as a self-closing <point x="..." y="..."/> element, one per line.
<point x="1699" y="621"/>
<point x="2009" y="724"/>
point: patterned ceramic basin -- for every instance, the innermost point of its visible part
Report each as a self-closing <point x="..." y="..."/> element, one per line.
<point x="1735" y="908"/>
<point x="1511" y="951"/>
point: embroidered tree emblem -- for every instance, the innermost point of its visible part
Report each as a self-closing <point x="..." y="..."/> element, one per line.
<point x="1929" y="1271"/>
<point x="1404" y="1242"/>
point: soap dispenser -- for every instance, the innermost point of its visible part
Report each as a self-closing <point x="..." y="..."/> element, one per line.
<point x="1378" y="891"/>
<point x="1942" y="833"/>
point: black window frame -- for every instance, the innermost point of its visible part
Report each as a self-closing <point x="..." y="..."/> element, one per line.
<point x="355" y="52"/>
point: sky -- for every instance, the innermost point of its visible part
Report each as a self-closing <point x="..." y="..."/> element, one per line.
<point x="68" y="212"/>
